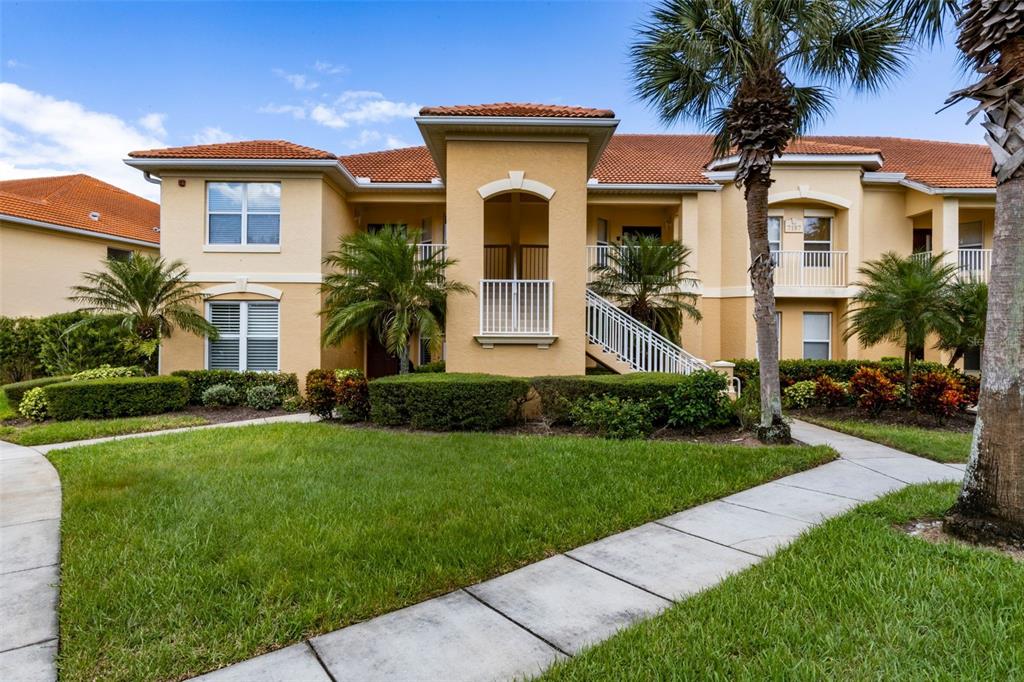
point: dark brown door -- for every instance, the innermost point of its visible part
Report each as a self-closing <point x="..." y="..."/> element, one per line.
<point x="378" y="362"/>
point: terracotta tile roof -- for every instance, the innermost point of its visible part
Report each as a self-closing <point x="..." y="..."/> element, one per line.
<point x="67" y="200"/>
<point x="518" y="109"/>
<point x="817" y="146"/>
<point x="937" y="164"/>
<point x="671" y="159"/>
<point x="251" y="149"/>
<point x="411" y="164"/>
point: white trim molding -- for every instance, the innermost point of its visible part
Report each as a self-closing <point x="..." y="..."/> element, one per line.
<point x="805" y="192"/>
<point x="516" y="181"/>
<point x="873" y="161"/>
<point x="242" y="286"/>
<point x="269" y="277"/>
<point x="241" y="248"/>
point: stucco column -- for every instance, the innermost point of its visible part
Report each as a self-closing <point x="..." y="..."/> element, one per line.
<point x="949" y="240"/>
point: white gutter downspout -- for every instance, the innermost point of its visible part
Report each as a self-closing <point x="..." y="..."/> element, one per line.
<point x="149" y="178"/>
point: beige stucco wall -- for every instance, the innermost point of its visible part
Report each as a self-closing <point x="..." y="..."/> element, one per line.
<point x="561" y="165"/>
<point x="38" y="267"/>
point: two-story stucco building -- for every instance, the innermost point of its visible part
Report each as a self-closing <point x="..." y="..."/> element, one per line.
<point x="526" y="198"/>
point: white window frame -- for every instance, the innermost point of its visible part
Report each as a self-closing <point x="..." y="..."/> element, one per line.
<point x="243" y="244"/>
<point x="805" y="340"/>
<point x="243" y="335"/>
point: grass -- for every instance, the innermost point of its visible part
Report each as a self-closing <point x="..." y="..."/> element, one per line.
<point x="6" y="410"/>
<point x="81" y="429"/>
<point x="942" y="446"/>
<point x="853" y="600"/>
<point x="186" y="552"/>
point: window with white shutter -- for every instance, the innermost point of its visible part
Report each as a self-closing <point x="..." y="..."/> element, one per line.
<point x="249" y="335"/>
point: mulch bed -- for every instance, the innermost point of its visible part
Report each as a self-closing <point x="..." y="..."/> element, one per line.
<point x="931" y="530"/>
<point x="963" y="422"/>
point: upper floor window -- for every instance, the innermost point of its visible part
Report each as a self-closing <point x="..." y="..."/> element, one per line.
<point x="118" y="254"/>
<point x="817" y="233"/>
<point x="243" y="213"/>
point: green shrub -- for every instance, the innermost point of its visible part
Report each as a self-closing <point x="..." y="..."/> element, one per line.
<point x="104" y="341"/>
<point x="972" y="387"/>
<point x="107" y="372"/>
<point x="201" y="379"/>
<point x="430" y="367"/>
<point x="221" y="395"/>
<point x="699" y="402"/>
<point x="19" y="349"/>
<point x="612" y="417"/>
<point x="353" y="395"/>
<point x="122" y="397"/>
<point x="293" y="403"/>
<point x="448" y="402"/>
<point x="33" y="404"/>
<point x="747" y="408"/>
<point x="15" y="392"/>
<point x="830" y="393"/>
<point x="559" y="393"/>
<point x="800" y="395"/>
<point x="792" y="371"/>
<point x="321" y="392"/>
<point x="262" y="397"/>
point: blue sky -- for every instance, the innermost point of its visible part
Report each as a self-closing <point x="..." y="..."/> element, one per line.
<point x="84" y="83"/>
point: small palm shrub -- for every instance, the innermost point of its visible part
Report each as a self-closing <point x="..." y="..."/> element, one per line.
<point x="829" y="393"/>
<point x="800" y="395"/>
<point x="612" y="417"/>
<point x="938" y="394"/>
<point x="353" y="395"/>
<point x="33" y="404"/>
<point x="262" y="397"/>
<point x="700" y="402"/>
<point x="221" y="395"/>
<point x="873" y="390"/>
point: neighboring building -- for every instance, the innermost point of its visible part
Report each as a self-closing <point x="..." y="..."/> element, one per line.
<point x="53" y="229"/>
<point x="526" y="197"/>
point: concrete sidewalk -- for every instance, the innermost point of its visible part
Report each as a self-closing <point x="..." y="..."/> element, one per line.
<point x="518" y="624"/>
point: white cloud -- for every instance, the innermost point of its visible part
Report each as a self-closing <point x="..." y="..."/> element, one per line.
<point x="365" y="139"/>
<point x="354" y="95"/>
<point x="212" y="135"/>
<point x="393" y="142"/>
<point x="41" y="135"/>
<point x="293" y="109"/>
<point x="297" y="80"/>
<point x="154" y="123"/>
<point x="329" y="69"/>
<point x="14" y="64"/>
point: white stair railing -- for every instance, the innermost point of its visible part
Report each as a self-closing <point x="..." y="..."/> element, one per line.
<point x="635" y="344"/>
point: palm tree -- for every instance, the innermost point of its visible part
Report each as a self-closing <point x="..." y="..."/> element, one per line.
<point x="647" y="279"/>
<point x="148" y="295"/>
<point x="902" y="300"/>
<point x="991" y="41"/>
<point x="380" y="284"/>
<point x="968" y="306"/>
<point x="728" y="65"/>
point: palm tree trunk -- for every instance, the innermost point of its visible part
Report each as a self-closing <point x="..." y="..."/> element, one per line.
<point x="403" y="360"/>
<point x="991" y="501"/>
<point x="772" y="428"/>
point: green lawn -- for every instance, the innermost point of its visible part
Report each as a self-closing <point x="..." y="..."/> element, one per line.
<point x="185" y="552"/>
<point x="853" y="600"/>
<point x="81" y="429"/>
<point x="942" y="446"/>
<point x="6" y="411"/>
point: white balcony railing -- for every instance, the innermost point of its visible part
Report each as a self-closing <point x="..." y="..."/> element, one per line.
<point x="810" y="268"/>
<point x="598" y="254"/>
<point x="974" y="264"/>
<point x="516" y="307"/>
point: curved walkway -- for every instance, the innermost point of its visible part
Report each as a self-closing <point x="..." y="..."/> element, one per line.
<point x="512" y="626"/>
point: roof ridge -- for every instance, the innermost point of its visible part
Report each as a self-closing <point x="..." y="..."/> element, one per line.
<point x="383" y="151"/>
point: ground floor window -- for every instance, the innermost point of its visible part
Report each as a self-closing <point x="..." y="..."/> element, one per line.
<point x="817" y="336"/>
<point x="972" y="359"/>
<point x="249" y="335"/>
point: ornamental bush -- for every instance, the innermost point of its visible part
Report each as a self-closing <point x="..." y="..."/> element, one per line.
<point x="107" y="372"/>
<point x="121" y="397"/>
<point x="16" y="391"/>
<point x="972" y="387"/>
<point x="611" y="417"/>
<point x="874" y="391"/>
<point x="262" y="397"/>
<point x="293" y="403"/>
<point x="353" y="395"/>
<point x="699" y="402"/>
<point x="33" y="404"/>
<point x="938" y="394"/>
<point x="221" y="395"/>
<point x="321" y="393"/>
<point x="559" y="393"/>
<point x="829" y="393"/>
<point x="201" y="379"/>
<point x="799" y="395"/>
<point x="792" y="371"/>
<point x="430" y="367"/>
<point x="448" y="402"/>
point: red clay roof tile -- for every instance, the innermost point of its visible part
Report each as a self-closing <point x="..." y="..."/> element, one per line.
<point x="518" y="109"/>
<point x="250" y="149"/>
<point x="68" y="200"/>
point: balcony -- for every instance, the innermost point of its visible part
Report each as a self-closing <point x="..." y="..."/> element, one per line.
<point x="973" y="265"/>
<point x="810" y="270"/>
<point x="516" y="311"/>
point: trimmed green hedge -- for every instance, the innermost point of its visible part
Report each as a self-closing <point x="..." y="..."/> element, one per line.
<point x="16" y="391"/>
<point x="559" y="393"/>
<point x="201" y="379"/>
<point x="448" y="402"/>
<point x="124" y="397"/>
<point x="792" y="371"/>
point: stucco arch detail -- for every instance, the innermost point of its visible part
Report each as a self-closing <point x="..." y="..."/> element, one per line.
<point x="242" y="286"/>
<point x="516" y="182"/>
<point x="805" y="192"/>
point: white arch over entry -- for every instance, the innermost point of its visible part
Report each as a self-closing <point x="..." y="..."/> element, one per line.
<point x="516" y="181"/>
<point x="242" y="286"/>
<point x="805" y="192"/>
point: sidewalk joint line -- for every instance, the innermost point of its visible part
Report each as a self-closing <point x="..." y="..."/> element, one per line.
<point x="670" y="600"/>
<point x="714" y="542"/>
<point x="785" y="516"/>
<point x="813" y="490"/>
<point x="865" y="466"/>
<point x="25" y="523"/>
<point x="25" y="646"/>
<point x="517" y="623"/>
<point x="32" y="568"/>
<point x="316" y="655"/>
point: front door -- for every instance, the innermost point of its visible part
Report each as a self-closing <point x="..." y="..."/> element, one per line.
<point x="378" y="362"/>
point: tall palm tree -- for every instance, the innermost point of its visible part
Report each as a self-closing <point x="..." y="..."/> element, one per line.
<point x="901" y="300"/>
<point x="148" y="295"/>
<point x="730" y="65"/>
<point x="649" y="280"/>
<point x="380" y="284"/>
<point x="968" y="305"/>
<point x="991" y="41"/>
